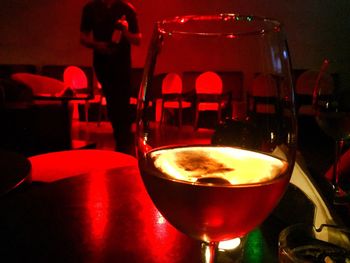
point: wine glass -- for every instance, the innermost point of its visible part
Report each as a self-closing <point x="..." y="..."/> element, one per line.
<point x="221" y="179"/>
<point x="331" y="100"/>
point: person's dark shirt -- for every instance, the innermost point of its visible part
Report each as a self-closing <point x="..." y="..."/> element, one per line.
<point x="99" y="19"/>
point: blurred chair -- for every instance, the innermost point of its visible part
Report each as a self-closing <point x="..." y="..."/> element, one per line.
<point x="263" y="94"/>
<point x="40" y="85"/>
<point x="75" y="79"/>
<point x="172" y="96"/>
<point x="304" y="89"/>
<point x="54" y="166"/>
<point x="36" y="126"/>
<point x="209" y="95"/>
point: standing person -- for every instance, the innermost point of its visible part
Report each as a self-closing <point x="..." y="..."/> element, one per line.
<point x="109" y="28"/>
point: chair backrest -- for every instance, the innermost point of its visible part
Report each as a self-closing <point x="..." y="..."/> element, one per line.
<point x="209" y="82"/>
<point x="172" y="84"/>
<point x="263" y="94"/>
<point x="75" y="78"/>
<point x="39" y="84"/>
<point x="306" y="82"/>
<point x="264" y="85"/>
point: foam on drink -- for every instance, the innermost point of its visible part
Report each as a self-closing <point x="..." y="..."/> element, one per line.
<point x="225" y="164"/>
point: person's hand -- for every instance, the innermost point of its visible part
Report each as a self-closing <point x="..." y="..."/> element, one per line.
<point x="103" y="48"/>
<point x="122" y="23"/>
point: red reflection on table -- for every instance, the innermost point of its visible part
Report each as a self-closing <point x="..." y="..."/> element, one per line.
<point x="161" y="238"/>
<point x="98" y="207"/>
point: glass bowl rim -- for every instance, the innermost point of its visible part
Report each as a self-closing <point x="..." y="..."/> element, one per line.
<point x="275" y="25"/>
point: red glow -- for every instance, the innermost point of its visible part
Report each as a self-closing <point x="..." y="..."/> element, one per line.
<point x="135" y="223"/>
<point x="231" y="36"/>
<point x="161" y="238"/>
<point x="75" y="78"/>
<point x="209" y="83"/>
<point x="172" y="84"/>
<point x="118" y="218"/>
<point x="58" y="165"/>
<point x="145" y="147"/>
<point x="182" y="20"/>
<point x="40" y="85"/>
<point x="277" y="28"/>
<point x="215" y="219"/>
<point x="98" y="207"/>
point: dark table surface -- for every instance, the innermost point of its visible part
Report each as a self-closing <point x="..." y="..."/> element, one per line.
<point x="63" y="98"/>
<point x="14" y="171"/>
<point x="107" y="216"/>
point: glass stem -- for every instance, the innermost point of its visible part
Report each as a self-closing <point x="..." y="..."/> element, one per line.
<point x="336" y="167"/>
<point x="209" y="251"/>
